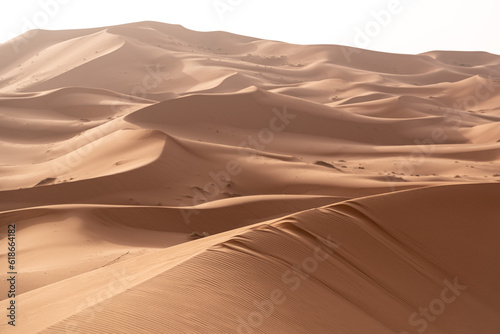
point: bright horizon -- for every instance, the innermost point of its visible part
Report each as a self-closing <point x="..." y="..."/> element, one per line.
<point x="399" y="26"/>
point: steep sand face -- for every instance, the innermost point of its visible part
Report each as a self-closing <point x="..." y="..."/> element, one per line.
<point x="336" y="189"/>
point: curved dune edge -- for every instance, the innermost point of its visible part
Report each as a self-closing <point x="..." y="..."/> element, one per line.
<point x="99" y="235"/>
<point x="363" y="265"/>
<point x="94" y="154"/>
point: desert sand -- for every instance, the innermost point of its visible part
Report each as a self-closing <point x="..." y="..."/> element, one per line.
<point x="163" y="180"/>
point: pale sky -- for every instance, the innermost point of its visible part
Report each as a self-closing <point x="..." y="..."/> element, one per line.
<point x="401" y="26"/>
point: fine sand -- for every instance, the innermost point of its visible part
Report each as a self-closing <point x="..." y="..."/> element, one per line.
<point x="163" y="180"/>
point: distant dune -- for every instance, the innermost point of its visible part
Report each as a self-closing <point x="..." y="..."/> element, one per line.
<point x="164" y="180"/>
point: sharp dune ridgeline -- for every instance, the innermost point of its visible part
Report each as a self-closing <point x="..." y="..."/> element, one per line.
<point x="163" y="180"/>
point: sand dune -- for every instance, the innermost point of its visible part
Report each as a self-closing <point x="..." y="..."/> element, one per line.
<point x="99" y="234"/>
<point x="164" y="180"/>
<point x="352" y="266"/>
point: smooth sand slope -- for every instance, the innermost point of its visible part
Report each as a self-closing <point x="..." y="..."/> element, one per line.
<point x="337" y="190"/>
